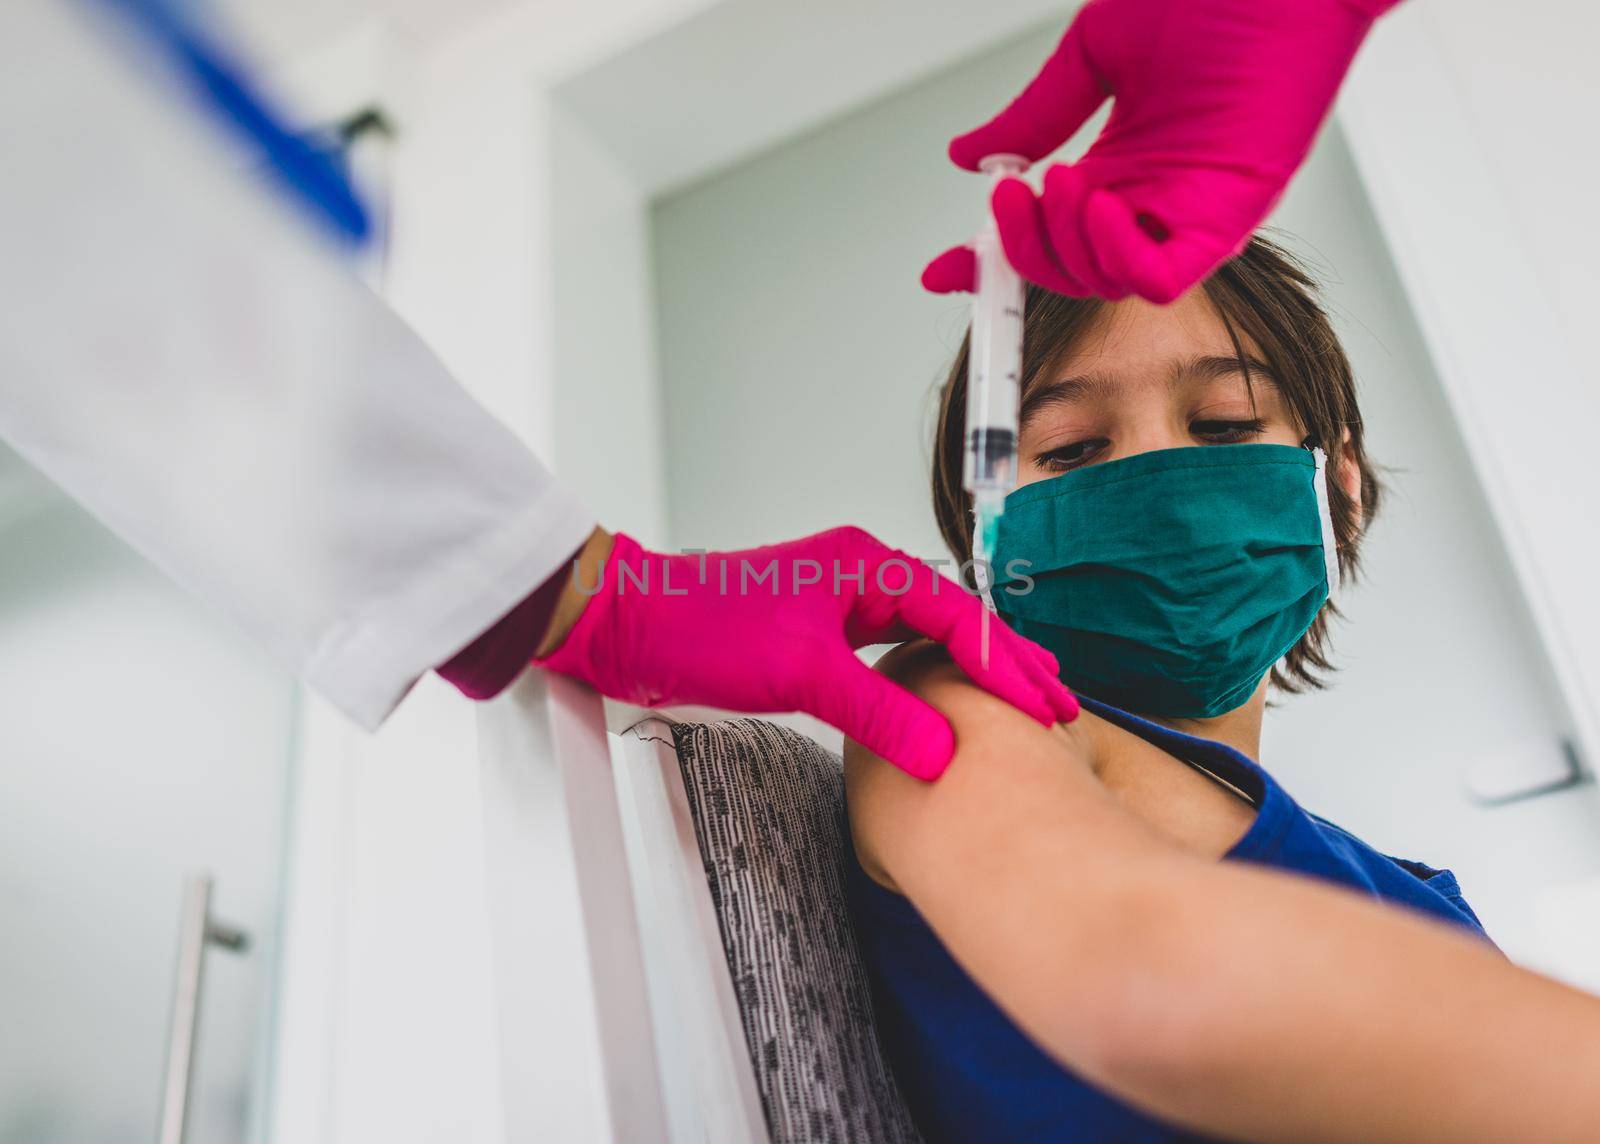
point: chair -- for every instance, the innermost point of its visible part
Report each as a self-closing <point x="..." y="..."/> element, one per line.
<point x="760" y="997"/>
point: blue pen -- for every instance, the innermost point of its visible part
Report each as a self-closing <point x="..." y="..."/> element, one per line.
<point x="219" y="82"/>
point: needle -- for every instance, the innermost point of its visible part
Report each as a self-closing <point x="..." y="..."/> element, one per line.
<point x="985" y="520"/>
<point x="984" y="639"/>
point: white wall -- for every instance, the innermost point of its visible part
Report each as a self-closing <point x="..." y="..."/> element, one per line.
<point x="390" y="1021"/>
<point x="1525" y="75"/>
<point x="607" y="396"/>
<point x="1441" y="670"/>
<point x="798" y="357"/>
<point x="1462" y="119"/>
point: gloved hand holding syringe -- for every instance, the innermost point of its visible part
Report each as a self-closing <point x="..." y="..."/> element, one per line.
<point x="994" y="390"/>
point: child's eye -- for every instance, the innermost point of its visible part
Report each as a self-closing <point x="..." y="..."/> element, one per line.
<point x="1216" y="432"/>
<point x="1059" y="460"/>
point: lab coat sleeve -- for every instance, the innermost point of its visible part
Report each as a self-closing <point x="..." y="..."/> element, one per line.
<point x="183" y="355"/>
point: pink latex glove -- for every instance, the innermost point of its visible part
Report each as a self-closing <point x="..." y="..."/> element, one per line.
<point x="657" y="633"/>
<point x="1217" y="105"/>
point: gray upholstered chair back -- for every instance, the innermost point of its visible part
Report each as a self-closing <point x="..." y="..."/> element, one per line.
<point x="768" y="806"/>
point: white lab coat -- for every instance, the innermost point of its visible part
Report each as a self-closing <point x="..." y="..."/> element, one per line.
<point x="184" y="355"/>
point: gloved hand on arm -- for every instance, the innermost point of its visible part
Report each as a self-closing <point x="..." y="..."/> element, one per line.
<point x="764" y="630"/>
<point x="1217" y="103"/>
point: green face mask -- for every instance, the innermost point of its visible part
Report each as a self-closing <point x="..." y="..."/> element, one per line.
<point x="1169" y="583"/>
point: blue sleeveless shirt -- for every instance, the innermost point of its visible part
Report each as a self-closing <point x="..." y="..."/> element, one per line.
<point x="968" y="1074"/>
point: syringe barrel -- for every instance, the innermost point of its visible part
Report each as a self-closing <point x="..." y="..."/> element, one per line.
<point x="994" y="359"/>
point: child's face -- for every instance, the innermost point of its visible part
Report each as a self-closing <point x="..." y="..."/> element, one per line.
<point x="1145" y="377"/>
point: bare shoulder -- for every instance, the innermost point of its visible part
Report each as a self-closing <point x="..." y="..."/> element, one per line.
<point x="925" y="668"/>
<point x="1011" y="776"/>
<point x="892" y="812"/>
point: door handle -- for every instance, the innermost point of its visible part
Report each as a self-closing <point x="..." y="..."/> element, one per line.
<point x="197" y="930"/>
<point x="1513" y="775"/>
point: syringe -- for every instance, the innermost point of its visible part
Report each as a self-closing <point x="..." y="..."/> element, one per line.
<point x="994" y="390"/>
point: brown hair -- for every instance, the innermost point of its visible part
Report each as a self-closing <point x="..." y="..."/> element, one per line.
<point x="1264" y="297"/>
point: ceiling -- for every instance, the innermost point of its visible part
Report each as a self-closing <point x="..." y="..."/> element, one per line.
<point x="744" y="75"/>
<point x="278" y="29"/>
<point x="735" y="77"/>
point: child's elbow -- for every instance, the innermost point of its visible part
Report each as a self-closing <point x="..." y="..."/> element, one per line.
<point x="1158" y="1022"/>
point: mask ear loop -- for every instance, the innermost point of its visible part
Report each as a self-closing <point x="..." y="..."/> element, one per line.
<point x="1330" y="541"/>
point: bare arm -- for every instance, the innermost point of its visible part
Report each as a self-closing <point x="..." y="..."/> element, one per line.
<point x="1229" y="998"/>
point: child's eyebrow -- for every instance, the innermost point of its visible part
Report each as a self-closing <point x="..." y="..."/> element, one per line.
<point x="1082" y="387"/>
<point x="1215" y="367"/>
<point x="1065" y="391"/>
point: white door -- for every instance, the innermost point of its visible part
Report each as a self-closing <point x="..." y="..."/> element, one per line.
<point x="141" y="742"/>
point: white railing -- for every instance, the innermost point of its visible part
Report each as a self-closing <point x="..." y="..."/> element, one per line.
<point x="578" y="1052"/>
<point x="618" y="1020"/>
